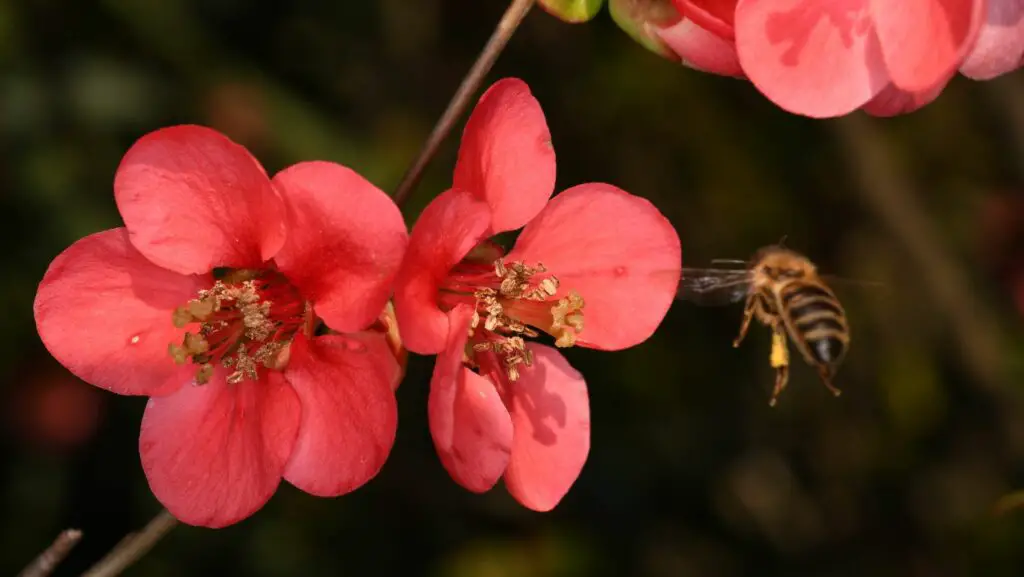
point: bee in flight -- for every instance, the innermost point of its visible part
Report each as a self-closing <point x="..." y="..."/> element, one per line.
<point x="784" y="292"/>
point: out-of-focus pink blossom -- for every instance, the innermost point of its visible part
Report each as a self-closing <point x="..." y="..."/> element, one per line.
<point x="824" y="58"/>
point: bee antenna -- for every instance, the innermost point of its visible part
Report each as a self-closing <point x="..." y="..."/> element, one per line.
<point x="782" y="241"/>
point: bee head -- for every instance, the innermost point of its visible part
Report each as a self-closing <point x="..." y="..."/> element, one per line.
<point x="776" y="263"/>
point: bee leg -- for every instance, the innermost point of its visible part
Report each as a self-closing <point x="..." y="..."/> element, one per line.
<point x="748" y="315"/>
<point x="826" y="377"/>
<point x="780" y="362"/>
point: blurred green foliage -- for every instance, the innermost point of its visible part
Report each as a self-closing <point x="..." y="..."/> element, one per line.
<point x="691" y="473"/>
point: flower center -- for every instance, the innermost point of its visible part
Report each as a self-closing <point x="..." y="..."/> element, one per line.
<point x="511" y="301"/>
<point x="246" y="320"/>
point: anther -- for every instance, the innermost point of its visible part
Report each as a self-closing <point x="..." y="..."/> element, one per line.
<point x="240" y="327"/>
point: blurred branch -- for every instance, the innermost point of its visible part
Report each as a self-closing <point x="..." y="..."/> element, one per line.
<point x="887" y="191"/>
<point x="513" y="16"/>
<point x="48" y="560"/>
<point x="133" y="547"/>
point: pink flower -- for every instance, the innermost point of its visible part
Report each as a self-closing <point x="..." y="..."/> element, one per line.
<point x="1000" y="45"/>
<point x="701" y="41"/>
<point x="824" y="58"/>
<point x="594" y="266"/>
<point x="207" y="300"/>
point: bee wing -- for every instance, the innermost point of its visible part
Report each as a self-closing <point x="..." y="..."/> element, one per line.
<point x="713" y="286"/>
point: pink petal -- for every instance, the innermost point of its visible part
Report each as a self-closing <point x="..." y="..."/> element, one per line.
<point x="449" y="227"/>
<point x="346" y="239"/>
<point x="815" y="58"/>
<point x="214" y="453"/>
<point x="923" y="41"/>
<point x="104" y="312"/>
<point x="700" y="49"/>
<point x="349" y="414"/>
<point x="893" y="101"/>
<point x="193" y="200"/>
<point x="1000" y="44"/>
<point x="617" y="251"/>
<point x="506" y="157"/>
<point x="470" y="425"/>
<point x="551" y="416"/>
<point x="717" y="16"/>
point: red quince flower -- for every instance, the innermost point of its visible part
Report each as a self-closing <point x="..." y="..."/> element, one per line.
<point x="206" y="301"/>
<point x="824" y="58"/>
<point x="594" y="266"/>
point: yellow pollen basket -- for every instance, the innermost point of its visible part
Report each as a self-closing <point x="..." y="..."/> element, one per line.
<point x="518" y="306"/>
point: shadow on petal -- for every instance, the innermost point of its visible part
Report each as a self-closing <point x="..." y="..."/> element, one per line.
<point x="551" y="415"/>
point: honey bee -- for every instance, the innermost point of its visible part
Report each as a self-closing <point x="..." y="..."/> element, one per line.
<point x="783" y="291"/>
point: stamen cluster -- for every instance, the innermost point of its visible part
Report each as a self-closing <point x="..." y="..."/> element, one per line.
<point x="505" y="332"/>
<point x="239" y="325"/>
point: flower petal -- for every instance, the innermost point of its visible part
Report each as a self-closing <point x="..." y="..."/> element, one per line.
<point x="470" y="425"/>
<point x="551" y="415"/>
<point x="893" y="101"/>
<point x="346" y="239"/>
<point x="193" y="200"/>
<point x="923" y="41"/>
<point x="349" y="413"/>
<point x="213" y="453"/>
<point x="819" y="59"/>
<point x="617" y="251"/>
<point x="700" y="49"/>
<point x="716" y="16"/>
<point x="447" y="229"/>
<point x="104" y="312"/>
<point x="1000" y="44"/>
<point x="506" y="158"/>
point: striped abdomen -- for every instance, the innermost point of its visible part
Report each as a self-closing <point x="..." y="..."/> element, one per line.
<point x="816" y="320"/>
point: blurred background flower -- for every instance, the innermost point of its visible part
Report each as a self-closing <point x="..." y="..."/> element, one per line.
<point x="825" y="58"/>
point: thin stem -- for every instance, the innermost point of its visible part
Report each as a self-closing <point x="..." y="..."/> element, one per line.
<point x="48" y="560"/>
<point x="508" y="24"/>
<point x="133" y="547"/>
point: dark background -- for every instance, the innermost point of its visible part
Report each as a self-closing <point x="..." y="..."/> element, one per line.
<point x="690" y="472"/>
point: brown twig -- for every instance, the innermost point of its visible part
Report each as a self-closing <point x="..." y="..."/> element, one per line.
<point x="888" y="192"/>
<point x="133" y="547"/>
<point x="515" y="13"/>
<point x="48" y="560"/>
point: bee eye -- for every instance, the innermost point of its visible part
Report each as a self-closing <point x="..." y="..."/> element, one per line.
<point x="770" y="271"/>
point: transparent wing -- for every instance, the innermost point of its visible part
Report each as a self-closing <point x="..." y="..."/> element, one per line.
<point x="713" y="286"/>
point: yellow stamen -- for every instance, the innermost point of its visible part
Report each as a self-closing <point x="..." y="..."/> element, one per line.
<point x="510" y="323"/>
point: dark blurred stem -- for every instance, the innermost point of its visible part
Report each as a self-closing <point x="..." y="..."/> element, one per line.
<point x="888" y="192"/>
<point x="133" y="547"/>
<point x="508" y="24"/>
<point x="48" y="560"/>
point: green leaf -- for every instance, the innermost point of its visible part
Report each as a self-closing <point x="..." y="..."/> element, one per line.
<point x="572" y="10"/>
<point x="640" y="19"/>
